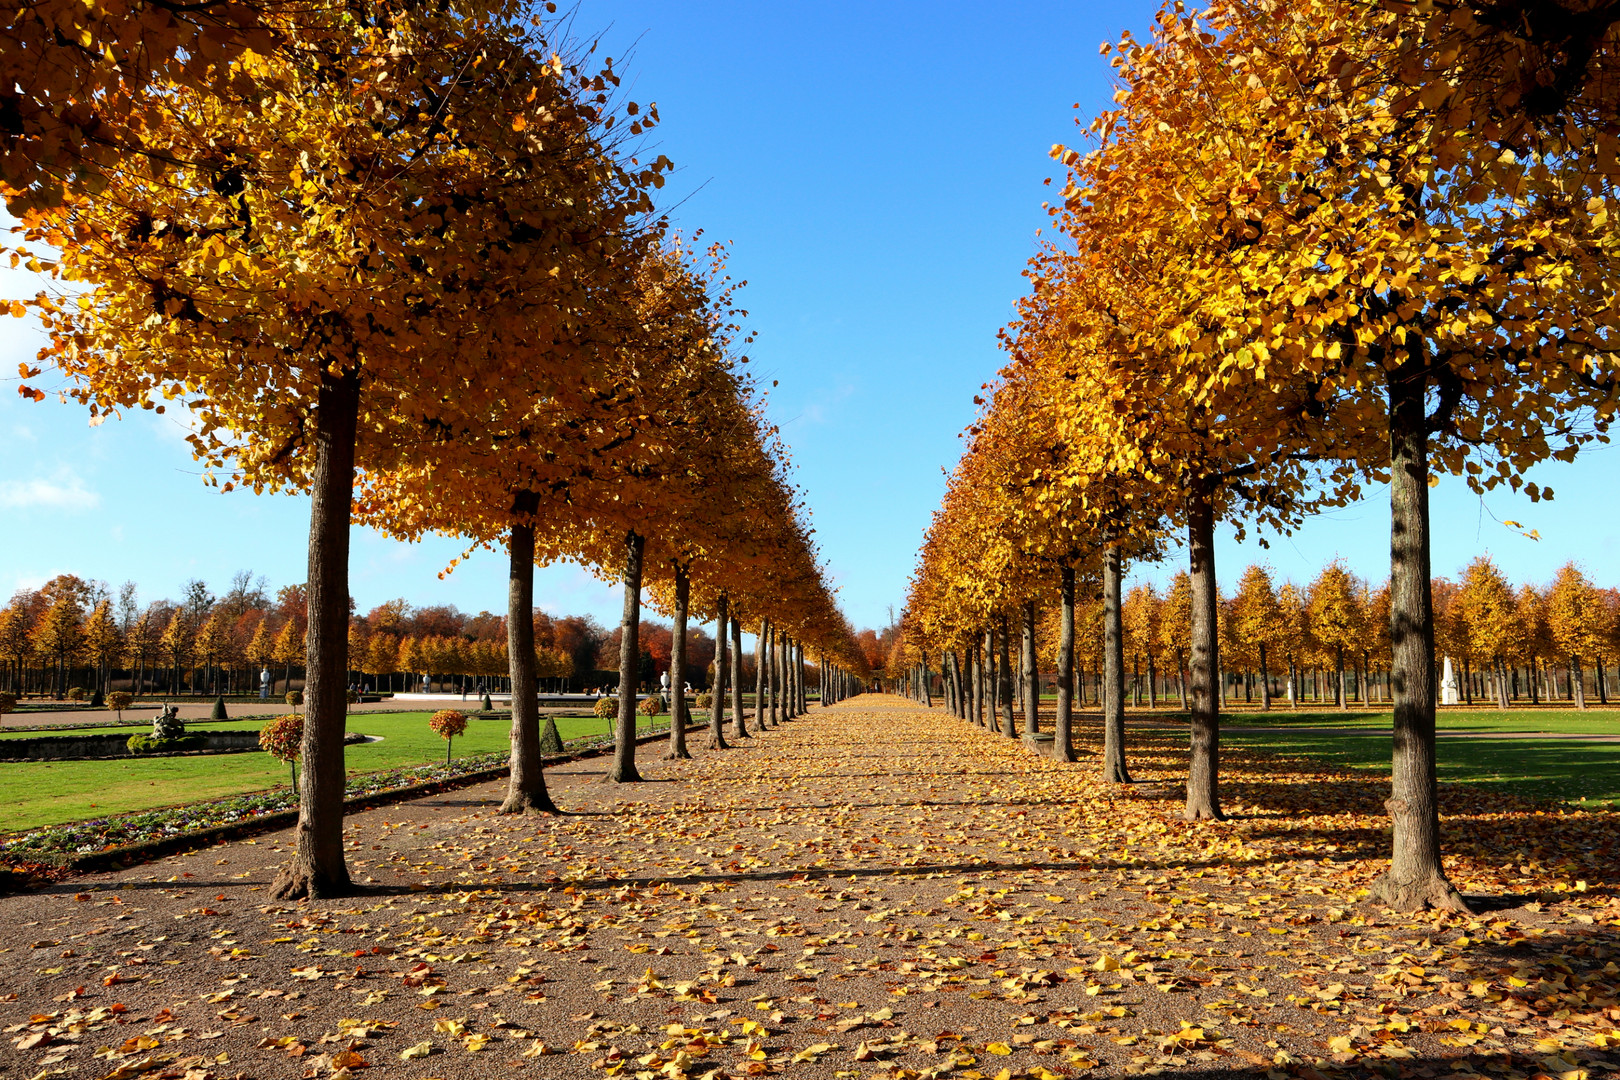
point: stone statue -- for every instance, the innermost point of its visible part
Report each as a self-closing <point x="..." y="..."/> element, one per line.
<point x="167" y="723"/>
<point x="264" y="683"/>
<point x="1448" y="684"/>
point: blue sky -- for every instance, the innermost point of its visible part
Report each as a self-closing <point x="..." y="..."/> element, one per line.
<point x="878" y="170"/>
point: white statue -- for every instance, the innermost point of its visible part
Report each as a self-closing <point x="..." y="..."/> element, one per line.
<point x="663" y="682"/>
<point x="1448" y="684"/>
<point x="264" y="683"/>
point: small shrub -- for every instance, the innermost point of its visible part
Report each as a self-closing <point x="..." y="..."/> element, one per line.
<point x="118" y="701"/>
<point x="219" y="709"/>
<point x="76" y="693"/>
<point x="294" y="698"/>
<point x="487" y="707"/>
<point x="651" y="705"/>
<point x="147" y="744"/>
<point x="550" y="738"/>
<point x="354" y="697"/>
<point x="97" y="701"/>
<point x="8" y="703"/>
<point x="282" y="738"/>
<point x="705" y="701"/>
<point x="606" y="707"/>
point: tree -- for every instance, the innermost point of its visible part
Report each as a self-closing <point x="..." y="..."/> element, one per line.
<point x="1336" y="619"/>
<point x="1255" y="618"/>
<point x="1490" y="621"/>
<point x="1580" y="623"/>
<point x="102" y="642"/>
<point x="60" y="634"/>
<point x="383" y="241"/>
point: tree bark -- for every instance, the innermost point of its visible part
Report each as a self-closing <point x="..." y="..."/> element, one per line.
<point x="1203" y="770"/>
<point x="1004" y="689"/>
<point x="773" y="684"/>
<point x="1344" y="695"/>
<point x="526" y="786"/>
<point x="722" y="676"/>
<point x="760" y="664"/>
<point x="677" y="667"/>
<point x="927" y="683"/>
<point x="1030" y="688"/>
<point x="1577" y="683"/>
<point x="1063" y="726"/>
<point x="736" y="677"/>
<point x="1153" y="684"/>
<point x="1114" y="769"/>
<point x="1265" y="681"/>
<point x="624" y="769"/>
<point x="317" y="870"/>
<point x="976" y="679"/>
<point x="1416" y="877"/>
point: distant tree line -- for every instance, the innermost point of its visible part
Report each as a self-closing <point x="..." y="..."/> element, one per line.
<point x="76" y="634"/>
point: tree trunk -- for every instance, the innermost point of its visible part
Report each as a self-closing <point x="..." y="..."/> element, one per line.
<point x="992" y="680"/>
<point x="526" y="786"/>
<point x="1344" y="695"/>
<point x="1114" y="770"/>
<point x="1153" y="684"/>
<point x="677" y="667"/>
<point x="624" y="769"/>
<point x="722" y="673"/>
<point x="1416" y="877"/>
<point x="1203" y="770"/>
<point x="1265" y="681"/>
<point x="1181" y="677"/>
<point x="736" y="677"/>
<point x="927" y="683"/>
<point x="1004" y="689"/>
<point x="317" y="870"/>
<point x="976" y="675"/>
<point x="1032" y="681"/>
<point x="1063" y="726"/>
<point x="773" y="685"/>
<point x="760" y="664"/>
<point x="1577" y="682"/>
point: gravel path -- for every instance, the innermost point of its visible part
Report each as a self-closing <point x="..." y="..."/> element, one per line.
<point x="873" y="890"/>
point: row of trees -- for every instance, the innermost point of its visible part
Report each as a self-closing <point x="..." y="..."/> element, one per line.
<point x="1329" y="641"/>
<point x="1317" y="244"/>
<point x="73" y="632"/>
<point x="407" y="259"/>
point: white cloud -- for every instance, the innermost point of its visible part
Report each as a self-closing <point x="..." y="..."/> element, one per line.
<point x="64" y="491"/>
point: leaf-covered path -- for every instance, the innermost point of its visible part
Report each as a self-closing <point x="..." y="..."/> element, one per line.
<point x="869" y="890"/>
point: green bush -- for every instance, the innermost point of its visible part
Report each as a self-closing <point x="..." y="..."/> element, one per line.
<point x="294" y="698"/>
<point x="76" y="693"/>
<point x="550" y="738"/>
<point x="705" y="701"/>
<point x="146" y="744"/>
<point x="487" y="707"/>
<point x="651" y="705"/>
<point x="219" y="709"/>
<point x="606" y="707"/>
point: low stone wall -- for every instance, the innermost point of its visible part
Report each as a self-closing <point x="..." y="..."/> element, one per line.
<point x="82" y="747"/>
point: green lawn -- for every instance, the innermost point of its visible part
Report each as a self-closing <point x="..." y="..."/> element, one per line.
<point x="1592" y="722"/>
<point x="34" y="793"/>
<point x="1584" y="773"/>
